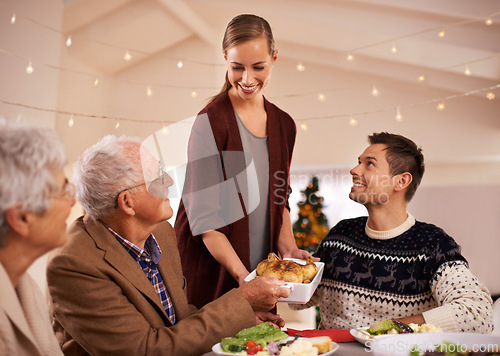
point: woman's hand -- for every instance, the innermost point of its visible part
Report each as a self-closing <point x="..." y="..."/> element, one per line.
<point x="300" y="254"/>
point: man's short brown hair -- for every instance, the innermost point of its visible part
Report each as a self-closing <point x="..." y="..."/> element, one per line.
<point x="403" y="155"/>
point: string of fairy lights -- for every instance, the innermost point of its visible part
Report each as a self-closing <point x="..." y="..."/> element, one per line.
<point x="129" y="53"/>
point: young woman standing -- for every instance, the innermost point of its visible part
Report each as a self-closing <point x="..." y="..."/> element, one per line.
<point x="217" y="247"/>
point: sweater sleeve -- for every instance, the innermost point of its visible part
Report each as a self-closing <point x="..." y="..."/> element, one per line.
<point x="465" y="304"/>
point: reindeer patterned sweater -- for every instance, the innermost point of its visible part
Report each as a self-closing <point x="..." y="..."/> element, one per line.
<point x="413" y="269"/>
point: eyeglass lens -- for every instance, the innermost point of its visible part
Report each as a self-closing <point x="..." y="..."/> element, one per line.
<point x="158" y="187"/>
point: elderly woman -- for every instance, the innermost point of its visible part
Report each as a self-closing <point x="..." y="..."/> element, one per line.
<point x="35" y="201"/>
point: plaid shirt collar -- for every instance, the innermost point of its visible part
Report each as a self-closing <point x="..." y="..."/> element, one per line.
<point x="151" y="253"/>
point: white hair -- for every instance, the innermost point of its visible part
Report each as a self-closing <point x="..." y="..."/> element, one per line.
<point x="105" y="169"/>
<point x="29" y="157"/>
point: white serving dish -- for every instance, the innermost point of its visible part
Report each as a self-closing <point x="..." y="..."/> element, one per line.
<point x="402" y="344"/>
<point x="300" y="293"/>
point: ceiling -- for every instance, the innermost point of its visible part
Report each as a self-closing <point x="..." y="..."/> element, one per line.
<point x="321" y="34"/>
<point x="326" y="29"/>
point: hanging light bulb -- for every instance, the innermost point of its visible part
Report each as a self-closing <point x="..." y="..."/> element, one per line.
<point x="399" y="117"/>
<point x="350" y="57"/>
<point x="321" y="97"/>
<point x="71" y="121"/>
<point x="68" y="41"/>
<point x="490" y="95"/>
<point x="488" y="22"/>
<point x="96" y="82"/>
<point x="394" y="49"/>
<point x="29" y="68"/>
<point x="421" y="78"/>
<point x="441" y="33"/>
<point x="13" y="19"/>
<point x="127" y="56"/>
<point x="352" y="121"/>
<point x="164" y="130"/>
<point x="440" y="106"/>
<point x="180" y="64"/>
<point x="300" y="67"/>
<point x="375" y="91"/>
<point x="467" y="71"/>
<point x="117" y="123"/>
<point x="303" y="126"/>
<point x="149" y="91"/>
<point x="194" y="94"/>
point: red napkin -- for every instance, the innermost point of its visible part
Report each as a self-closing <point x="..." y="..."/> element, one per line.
<point x="336" y="335"/>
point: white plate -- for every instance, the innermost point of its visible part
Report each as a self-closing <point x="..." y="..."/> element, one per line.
<point x="402" y="344"/>
<point x="361" y="337"/>
<point x="218" y="350"/>
<point x="300" y="293"/>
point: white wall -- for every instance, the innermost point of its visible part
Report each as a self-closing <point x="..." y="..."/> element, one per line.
<point x="471" y="215"/>
<point x="40" y="88"/>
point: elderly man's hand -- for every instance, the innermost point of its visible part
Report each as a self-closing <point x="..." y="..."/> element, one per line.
<point x="274" y="319"/>
<point x="262" y="293"/>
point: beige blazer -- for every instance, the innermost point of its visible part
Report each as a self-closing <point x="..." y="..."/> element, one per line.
<point x="24" y="319"/>
<point x="103" y="304"/>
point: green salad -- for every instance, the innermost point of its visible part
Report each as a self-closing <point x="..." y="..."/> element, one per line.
<point x="387" y="326"/>
<point x="261" y="334"/>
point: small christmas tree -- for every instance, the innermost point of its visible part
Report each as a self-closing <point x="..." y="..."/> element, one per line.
<point x="312" y="224"/>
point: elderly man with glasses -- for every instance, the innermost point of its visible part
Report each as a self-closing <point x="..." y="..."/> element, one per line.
<point x="117" y="287"/>
<point x="35" y="201"/>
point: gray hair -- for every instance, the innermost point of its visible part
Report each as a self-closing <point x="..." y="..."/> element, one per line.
<point x="104" y="170"/>
<point x="29" y="156"/>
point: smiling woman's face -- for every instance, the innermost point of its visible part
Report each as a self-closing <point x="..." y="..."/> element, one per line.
<point x="249" y="67"/>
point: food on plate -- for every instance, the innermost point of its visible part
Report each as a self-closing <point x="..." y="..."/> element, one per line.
<point x="287" y="270"/>
<point x="302" y="347"/>
<point x="322" y="343"/>
<point x="390" y="327"/>
<point x="299" y="348"/>
<point x="386" y="326"/>
<point x="425" y="328"/>
<point x="265" y="340"/>
<point x="261" y="335"/>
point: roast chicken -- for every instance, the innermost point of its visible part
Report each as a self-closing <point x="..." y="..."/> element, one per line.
<point x="287" y="270"/>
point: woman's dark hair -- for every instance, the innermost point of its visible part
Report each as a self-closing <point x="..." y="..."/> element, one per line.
<point x="403" y="155"/>
<point x="244" y="28"/>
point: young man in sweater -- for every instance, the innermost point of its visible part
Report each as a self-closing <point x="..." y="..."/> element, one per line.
<point x="389" y="266"/>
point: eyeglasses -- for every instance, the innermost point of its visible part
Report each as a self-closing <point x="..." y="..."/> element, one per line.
<point x="67" y="192"/>
<point x="156" y="187"/>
